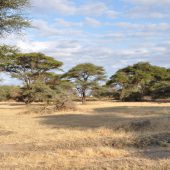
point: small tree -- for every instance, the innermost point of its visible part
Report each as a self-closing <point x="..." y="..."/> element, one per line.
<point x="11" y="16"/>
<point x="37" y="92"/>
<point x="63" y="90"/>
<point x="85" y="77"/>
<point x="9" y="92"/>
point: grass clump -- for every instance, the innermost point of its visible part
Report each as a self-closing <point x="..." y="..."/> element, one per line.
<point x="160" y="139"/>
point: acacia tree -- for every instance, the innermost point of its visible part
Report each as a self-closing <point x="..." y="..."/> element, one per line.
<point x="138" y="80"/>
<point x="85" y="77"/>
<point x="12" y="18"/>
<point x="31" y="69"/>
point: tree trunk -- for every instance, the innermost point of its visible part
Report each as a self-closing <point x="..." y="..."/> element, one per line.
<point x="122" y="95"/>
<point x="83" y="99"/>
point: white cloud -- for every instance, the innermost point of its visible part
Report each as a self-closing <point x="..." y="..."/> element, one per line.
<point x="68" y="7"/>
<point x="47" y="30"/>
<point x="62" y="22"/>
<point x="157" y="9"/>
<point x="72" y="52"/>
<point x="146" y="12"/>
<point x="151" y="2"/>
<point x="145" y="27"/>
<point x="62" y="6"/>
<point x="92" y="22"/>
<point x="88" y="21"/>
<point x="97" y="9"/>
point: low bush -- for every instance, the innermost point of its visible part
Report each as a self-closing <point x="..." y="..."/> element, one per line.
<point x="137" y="125"/>
<point x="63" y="101"/>
<point x="9" y="92"/>
<point x="160" y="139"/>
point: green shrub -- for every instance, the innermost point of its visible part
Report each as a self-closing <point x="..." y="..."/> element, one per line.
<point x="9" y="92"/>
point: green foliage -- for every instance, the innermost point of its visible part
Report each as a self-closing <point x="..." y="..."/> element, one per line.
<point x="30" y="67"/>
<point x="8" y="92"/>
<point x="160" y="90"/>
<point x="37" y="92"/>
<point x="11" y="16"/>
<point x="141" y="79"/>
<point x="102" y="92"/>
<point x="7" y="53"/>
<point x="132" y="96"/>
<point x="35" y="70"/>
<point x="85" y="77"/>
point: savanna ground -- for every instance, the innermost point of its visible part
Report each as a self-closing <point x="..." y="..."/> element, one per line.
<point x="99" y="135"/>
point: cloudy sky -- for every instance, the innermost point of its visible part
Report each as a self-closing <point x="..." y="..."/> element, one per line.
<point x="111" y="33"/>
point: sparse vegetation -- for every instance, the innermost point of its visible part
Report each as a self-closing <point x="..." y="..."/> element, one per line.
<point x="88" y="138"/>
<point x="44" y="126"/>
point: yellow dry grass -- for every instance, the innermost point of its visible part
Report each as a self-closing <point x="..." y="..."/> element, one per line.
<point x="82" y="139"/>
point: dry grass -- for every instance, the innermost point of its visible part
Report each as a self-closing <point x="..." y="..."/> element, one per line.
<point x="97" y="136"/>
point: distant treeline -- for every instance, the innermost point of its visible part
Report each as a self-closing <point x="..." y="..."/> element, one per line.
<point x="41" y="82"/>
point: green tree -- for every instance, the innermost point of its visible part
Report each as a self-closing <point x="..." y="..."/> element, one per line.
<point x="37" y="92"/>
<point x="85" y="77"/>
<point x="30" y="68"/>
<point x="160" y="90"/>
<point x="137" y="81"/>
<point x="7" y="51"/>
<point x="12" y="18"/>
<point x="102" y="92"/>
<point x="63" y="90"/>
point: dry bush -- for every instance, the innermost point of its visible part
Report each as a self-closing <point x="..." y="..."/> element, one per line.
<point x="160" y="139"/>
<point x="38" y="109"/>
<point x="86" y="139"/>
<point x="60" y="105"/>
<point x="137" y="125"/>
<point x="64" y="105"/>
<point x="143" y="141"/>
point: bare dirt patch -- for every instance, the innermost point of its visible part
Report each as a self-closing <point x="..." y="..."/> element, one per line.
<point x="5" y="132"/>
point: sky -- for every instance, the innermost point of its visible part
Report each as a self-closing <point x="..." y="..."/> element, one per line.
<point x="109" y="33"/>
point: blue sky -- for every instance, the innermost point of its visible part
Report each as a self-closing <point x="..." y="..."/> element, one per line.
<point x="110" y="33"/>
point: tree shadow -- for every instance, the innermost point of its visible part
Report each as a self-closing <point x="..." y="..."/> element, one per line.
<point x="134" y="110"/>
<point x="156" y="153"/>
<point x="109" y="117"/>
<point x="103" y="117"/>
<point x="80" y="121"/>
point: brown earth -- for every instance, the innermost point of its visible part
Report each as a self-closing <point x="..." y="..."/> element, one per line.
<point x="99" y="135"/>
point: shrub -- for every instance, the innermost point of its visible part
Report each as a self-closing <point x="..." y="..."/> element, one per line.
<point x="133" y="96"/>
<point x="38" y="92"/>
<point x="63" y="101"/>
<point x="9" y="92"/>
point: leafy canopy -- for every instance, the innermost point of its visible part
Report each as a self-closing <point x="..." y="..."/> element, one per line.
<point x="12" y="18"/>
<point x="30" y="67"/>
<point x="36" y="71"/>
<point x="85" y="77"/>
<point x="34" y="63"/>
<point x="139" y="79"/>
